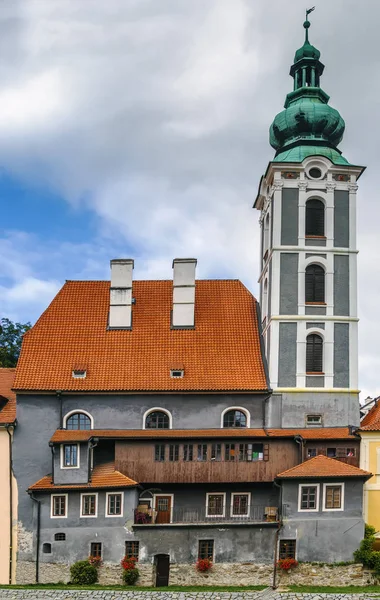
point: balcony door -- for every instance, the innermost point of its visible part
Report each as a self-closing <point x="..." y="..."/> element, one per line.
<point x="163" y="507"/>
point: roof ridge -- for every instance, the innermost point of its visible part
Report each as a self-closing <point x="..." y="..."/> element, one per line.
<point x="321" y="458"/>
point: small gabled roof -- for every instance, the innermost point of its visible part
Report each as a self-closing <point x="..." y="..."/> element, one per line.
<point x="371" y="421"/>
<point x="103" y="476"/>
<point x="7" y="397"/>
<point x="222" y="353"/>
<point x="323" y="467"/>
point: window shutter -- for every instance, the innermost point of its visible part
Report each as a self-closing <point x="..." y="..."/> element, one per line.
<point x="314" y="284"/>
<point x="314" y="354"/>
<point x="266" y="451"/>
<point x="315" y="218"/>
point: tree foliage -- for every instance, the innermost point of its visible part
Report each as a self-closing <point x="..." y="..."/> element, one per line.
<point x="10" y="341"/>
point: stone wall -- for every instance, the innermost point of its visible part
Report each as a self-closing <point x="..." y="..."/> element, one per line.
<point x="221" y="574"/>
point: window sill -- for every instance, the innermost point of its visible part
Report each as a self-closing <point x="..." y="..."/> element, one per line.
<point x="315" y="304"/>
<point x="315" y="237"/>
<point x="315" y="373"/>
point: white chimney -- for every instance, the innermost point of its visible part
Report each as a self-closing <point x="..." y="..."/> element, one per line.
<point x="184" y="292"/>
<point x="121" y="294"/>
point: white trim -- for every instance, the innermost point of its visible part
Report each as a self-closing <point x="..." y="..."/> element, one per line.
<point x="243" y="410"/>
<point x="74" y="412"/>
<point x="121" y="508"/>
<point x="339" y="484"/>
<point x="155" y="409"/>
<point x="62" y="455"/>
<point x="66" y="506"/>
<point x="171" y="504"/>
<point x="302" y="485"/>
<point x="233" y="494"/>
<point x="96" y="505"/>
<point x="224" y="504"/>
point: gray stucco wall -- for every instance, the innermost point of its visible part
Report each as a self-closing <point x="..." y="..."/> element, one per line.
<point x="341" y="285"/>
<point x="287" y="355"/>
<point x="325" y="536"/>
<point x="341" y="355"/>
<point x="341" y="219"/>
<point x="288" y="284"/>
<point x="289" y="217"/>
<point x="71" y="474"/>
<point x="337" y="409"/>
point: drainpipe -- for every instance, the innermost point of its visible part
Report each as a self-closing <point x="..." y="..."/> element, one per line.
<point x="280" y="524"/>
<point x="52" y="460"/>
<point x="37" y="534"/>
<point x="58" y="394"/>
<point x="264" y="403"/>
<point x="299" y="440"/>
<point x="91" y="445"/>
<point x="8" y="428"/>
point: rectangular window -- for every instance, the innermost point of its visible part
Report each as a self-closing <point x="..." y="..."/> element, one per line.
<point x="333" y="496"/>
<point x="216" y="452"/>
<point x="114" y="505"/>
<point x="331" y="452"/>
<point x="287" y="549"/>
<point x="308" y="497"/>
<point x="240" y="505"/>
<point x="313" y="420"/>
<point x="206" y="549"/>
<point x="311" y="452"/>
<point x="70" y="455"/>
<point x="173" y="452"/>
<point x="202" y="452"/>
<point x="215" y="505"/>
<point x="88" y="504"/>
<point x="229" y="452"/>
<point x="132" y="549"/>
<point x="96" y="549"/>
<point x="350" y="452"/>
<point x="188" y="452"/>
<point x="159" y="452"/>
<point x="59" y="505"/>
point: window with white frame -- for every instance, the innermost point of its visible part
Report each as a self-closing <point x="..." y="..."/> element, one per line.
<point x="215" y="505"/>
<point x="114" y="504"/>
<point x="78" y="420"/>
<point x="308" y="497"/>
<point x="89" y="505"/>
<point x="58" y="505"/>
<point x="240" y="504"/>
<point x="313" y="420"/>
<point x="70" y="456"/>
<point x="157" y="418"/>
<point x="333" y="496"/>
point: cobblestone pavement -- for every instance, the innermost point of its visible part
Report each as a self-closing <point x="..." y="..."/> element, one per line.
<point x="267" y="594"/>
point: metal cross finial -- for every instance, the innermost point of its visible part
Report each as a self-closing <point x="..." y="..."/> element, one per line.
<point x="307" y="23"/>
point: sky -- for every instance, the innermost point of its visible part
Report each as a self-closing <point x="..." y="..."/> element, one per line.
<point x="139" y="129"/>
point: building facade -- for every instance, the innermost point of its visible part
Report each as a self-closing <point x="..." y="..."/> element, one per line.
<point x="370" y="460"/>
<point x="175" y="420"/>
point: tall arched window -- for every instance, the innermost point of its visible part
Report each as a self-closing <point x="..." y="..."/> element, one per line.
<point x="157" y="419"/>
<point x="78" y="421"/>
<point x="314" y="353"/>
<point x="234" y="418"/>
<point x="314" y="284"/>
<point x="315" y="218"/>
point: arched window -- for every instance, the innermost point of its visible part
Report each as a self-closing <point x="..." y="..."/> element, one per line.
<point x="314" y="353"/>
<point x="78" y="421"/>
<point x="60" y="537"/>
<point x="266" y="236"/>
<point x="158" y="419"/>
<point x="315" y="218"/>
<point x="314" y="284"/>
<point x="234" y="418"/>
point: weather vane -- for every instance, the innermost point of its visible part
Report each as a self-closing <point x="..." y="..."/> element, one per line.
<point x="307" y="23"/>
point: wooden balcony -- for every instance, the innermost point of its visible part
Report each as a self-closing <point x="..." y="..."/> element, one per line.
<point x="194" y="516"/>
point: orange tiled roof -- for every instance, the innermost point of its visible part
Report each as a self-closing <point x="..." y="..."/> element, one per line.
<point x="322" y="466"/>
<point x="103" y="476"/>
<point x="8" y="412"/>
<point x="222" y="353"/>
<point x="371" y="421"/>
<point x="70" y="435"/>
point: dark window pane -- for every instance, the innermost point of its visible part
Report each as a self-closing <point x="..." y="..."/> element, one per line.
<point x="234" y="418"/>
<point x="315" y="218"/>
<point x="215" y="505"/>
<point x="311" y="452"/>
<point x="78" y="421"/>
<point x="70" y="455"/>
<point x="314" y="354"/>
<point x="287" y="549"/>
<point x="59" y="506"/>
<point x="308" y="498"/>
<point x="229" y="452"/>
<point x="331" y="452"/>
<point x="240" y="505"/>
<point x="89" y="505"/>
<point x="132" y="549"/>
<point x="333" y="497"/>
<point x="188" y="452"/>
<point x="60" y="537"/>
<point x="216" y="452"/>
<point x="96" y="549"/>
<point x="174" y="452"/>
<point x="159" y="452"/>
<point x="314" y="284"/>
<point x="157" y="420"/>
<point x="206" y="549"/>
<point x="114" y="504"/>
<point x="202" y="452"/>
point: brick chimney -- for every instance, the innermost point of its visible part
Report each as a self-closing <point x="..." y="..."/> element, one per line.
<point x="184" y="292"/>
<point x="120" y="316"/>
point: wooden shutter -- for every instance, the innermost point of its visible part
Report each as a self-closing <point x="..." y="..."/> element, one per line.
<point x="315" y="218"/>
<point x="266" y="451"/>
<point x="314" y="284"/>
<point x="314" y="353"/>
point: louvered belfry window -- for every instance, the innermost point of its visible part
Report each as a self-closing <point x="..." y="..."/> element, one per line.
<point x="314" y="353"/>
<point x="314" y="284"/>
<point x="315" y="218"/>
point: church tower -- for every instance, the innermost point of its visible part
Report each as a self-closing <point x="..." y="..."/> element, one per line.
<point x="308" y="280"/>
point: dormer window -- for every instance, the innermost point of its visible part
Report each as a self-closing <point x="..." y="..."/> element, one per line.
<point x="79" y="373"/>
<point x="177" y="373"/>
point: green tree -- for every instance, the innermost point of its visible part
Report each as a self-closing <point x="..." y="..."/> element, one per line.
<point x="10" y="341"/>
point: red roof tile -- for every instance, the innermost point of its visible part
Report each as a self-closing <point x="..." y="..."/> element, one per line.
<point x="371" y="421"/>
<point x="103" y="476"/>
<point x="70" y="435"/>
<point x="321" y="466"/>
<point x="8" y="412"/>
<point x="222" y="352"/>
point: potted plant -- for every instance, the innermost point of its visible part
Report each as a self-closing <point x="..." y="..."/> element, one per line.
<point x="203" y="565"/>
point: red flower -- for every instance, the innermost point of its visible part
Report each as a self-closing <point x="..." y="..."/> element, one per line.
<point x="128" y="563"/>
<point x="96" y="561"/>
<point x="287" y="563"/>
<point x="203" y="564"/>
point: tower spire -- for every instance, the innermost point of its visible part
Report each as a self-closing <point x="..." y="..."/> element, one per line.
<point x="307" y="24"/>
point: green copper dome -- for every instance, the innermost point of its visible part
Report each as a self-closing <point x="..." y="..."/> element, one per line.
<point x="308" y="121"/>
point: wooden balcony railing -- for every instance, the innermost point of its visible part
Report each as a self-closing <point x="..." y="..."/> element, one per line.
<point x="198" y="516"/>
